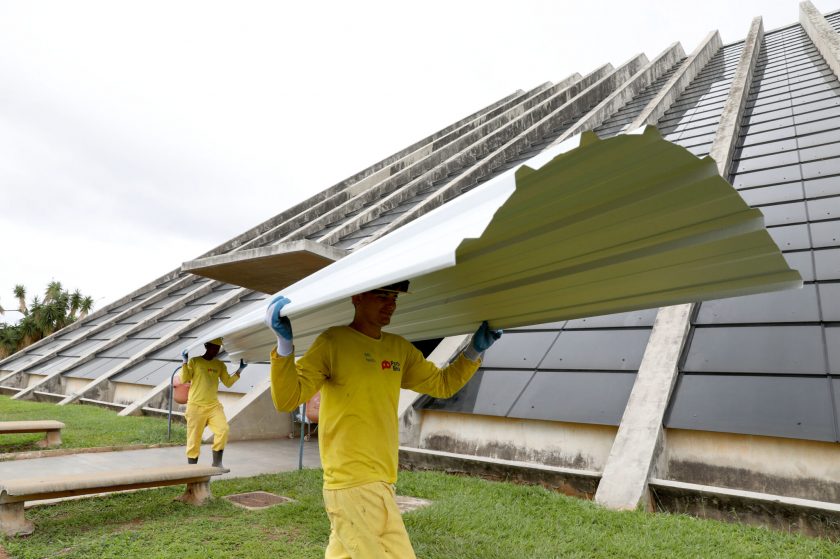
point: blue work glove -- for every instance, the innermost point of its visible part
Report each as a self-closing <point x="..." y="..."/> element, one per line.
<point x="483" y="338"/>
<point x="242" y="365"/>
<point x="281" y="325"/>
<point x="185" y="356"/>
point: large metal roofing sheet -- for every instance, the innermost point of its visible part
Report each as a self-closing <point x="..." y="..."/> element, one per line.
<point x="614" y="225"/>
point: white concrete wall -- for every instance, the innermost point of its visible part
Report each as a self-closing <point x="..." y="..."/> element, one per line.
<point x="790" y="465"/>
<point x="34" y="379"/>
<point x="546" y="442"/>
<point x="74" y="384"/>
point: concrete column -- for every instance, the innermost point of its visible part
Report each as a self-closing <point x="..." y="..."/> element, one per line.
<point x="678" y="82"/>
<point x="640" y="436"/>
<point x="726" y="138"/>
<point x="638" y="445"/>
<point x="824" y="37"/>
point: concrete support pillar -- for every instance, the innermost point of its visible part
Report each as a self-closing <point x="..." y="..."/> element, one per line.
<point x="196" y="493"/>
<point x="640" y="436"/>
<point x="723" y="148"/>
<point x="12" y="520"/>
<point x="51" y="440"/>
<point x="678" y="82"/>
<point x="824" y="37"/>
<point x="638" y="445"/>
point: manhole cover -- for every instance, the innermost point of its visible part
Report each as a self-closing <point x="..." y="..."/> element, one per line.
<point x="408" y="504"/>
<point x="257" y="500"/>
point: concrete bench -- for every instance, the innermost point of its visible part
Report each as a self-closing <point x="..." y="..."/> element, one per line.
<point x="52" y="430"/>
<point x="14" y="493"/>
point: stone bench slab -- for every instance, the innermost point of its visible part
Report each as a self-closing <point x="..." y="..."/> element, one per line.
<point x="15" y="492"/>
<point x="52" y="430"/>
<point x="9" y="427"/>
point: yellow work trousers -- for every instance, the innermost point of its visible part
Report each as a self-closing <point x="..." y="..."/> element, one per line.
<point x="365" y="523"/>
<point x="199" y="417"/>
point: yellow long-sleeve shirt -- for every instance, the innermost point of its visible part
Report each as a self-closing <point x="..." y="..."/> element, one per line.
<point x="205" y="376"/>
<point x="360" y="379"/>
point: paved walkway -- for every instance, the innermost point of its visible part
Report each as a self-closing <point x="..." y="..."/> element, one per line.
<point x="244" y="458"/>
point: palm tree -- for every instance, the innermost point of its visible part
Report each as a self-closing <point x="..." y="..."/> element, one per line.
<point x="75" y="303"/>
<point x="85" y="306"/>
<point x="53" y="291"/>
<point x="9" y="340"/>
<point x="20" y="293"/>
<point x="29" y="332"/>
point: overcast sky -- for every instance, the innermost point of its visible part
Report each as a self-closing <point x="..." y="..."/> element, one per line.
<point x="138" y="135"/>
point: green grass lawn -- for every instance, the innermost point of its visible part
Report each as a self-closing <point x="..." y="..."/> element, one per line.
<point x="85" y="426"/>
<point x="470" y="518"/>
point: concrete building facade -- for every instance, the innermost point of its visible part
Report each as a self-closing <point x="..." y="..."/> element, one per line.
<point x="720" y="408"/>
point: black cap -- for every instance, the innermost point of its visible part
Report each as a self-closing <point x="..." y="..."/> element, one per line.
<point x="399" y="287"/>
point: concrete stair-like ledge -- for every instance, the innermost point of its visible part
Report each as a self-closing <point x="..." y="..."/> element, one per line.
<point x="266" y="269"/>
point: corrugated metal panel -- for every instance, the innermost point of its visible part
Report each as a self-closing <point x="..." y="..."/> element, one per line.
<point x="627" y="223"/>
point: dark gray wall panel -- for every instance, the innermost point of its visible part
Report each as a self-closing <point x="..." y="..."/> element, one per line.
<point x="519" y="350"/>
<point x="803" y="262"/>
<point x="798" y="407"/>
<point x="127" y="348"/>
<point x="772" y="194"/>
<point x="757" y="349"/>
<point x="138" y="372"/>
<point x="825" y="234"/>
<point x="784" y="214"/>
<point x="160" y="329"/>
<point x="791" y="237"/>
<point x="827" y="264"/>
<point x="825" y="208"/>
<point x="832" y="337"/>
<point x="620" y="320"/>
<point x="830" y="301"/>
<point x="82" y="348"/>
<point x="581" y="397"/>
<point x="610" y="350"/>
<point x="792" y="305"/>
<point x="488" y="393"/>
<point x="829" y="186"/>
<point x="94" y="367"/>
<point x="187" y="312"/>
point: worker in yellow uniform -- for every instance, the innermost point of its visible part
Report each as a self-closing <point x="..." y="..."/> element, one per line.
<point x="359" y="370"/>
<point x="203" y="406"/>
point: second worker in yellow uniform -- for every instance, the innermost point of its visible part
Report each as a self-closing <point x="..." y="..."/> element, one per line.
<point x="203" y="406"/>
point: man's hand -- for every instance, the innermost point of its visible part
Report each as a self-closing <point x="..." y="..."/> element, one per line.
<point x="242" y="365"/>
<point x="281" y="325"/>
<point x="483" y="338"/>
<point x="185" y="356"/>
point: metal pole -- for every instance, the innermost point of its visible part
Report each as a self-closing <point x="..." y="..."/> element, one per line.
<point x="302" y="425"/>
<point x="171" y="390"/>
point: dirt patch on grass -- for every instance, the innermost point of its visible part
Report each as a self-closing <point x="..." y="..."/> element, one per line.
<point x="3" y="554"/>
<point x="277" y="534"/>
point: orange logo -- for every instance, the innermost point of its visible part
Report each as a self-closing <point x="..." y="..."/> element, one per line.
<point x="386" y="365"/>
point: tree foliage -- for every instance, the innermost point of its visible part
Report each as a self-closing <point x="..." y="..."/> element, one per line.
<point x="42" y="317"/>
